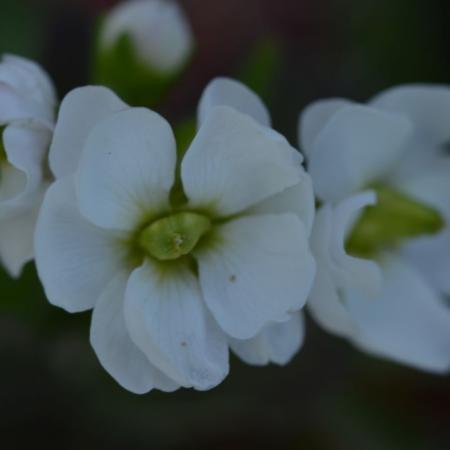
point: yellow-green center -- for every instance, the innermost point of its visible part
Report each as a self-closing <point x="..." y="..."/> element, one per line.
<point x="394" y="218"/>
<point x="174" y="236"/>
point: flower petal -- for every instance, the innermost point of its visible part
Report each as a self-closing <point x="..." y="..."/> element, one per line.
<point x="357" y="146"/>
<point x="14" y="106"/>
<point x="114" y="348"/>
<point x="427" y="106"/>
<point x="313" y="119"/>
<point x="430" y="255"/>
<point x="81" y="109"/>
<point x="228" y="92"/>
<point x="127" y="169"/>
<point x="259" y="270"/>
<point x="298" y="199"/>
<point x="277" y="343"/>
<point x="407" y="323"/>
<point x="16" y="241"/>
<point x="21" y="187"/>
<point x="234" y="163"/>
<point x="336" y="270"/>
<point x="30" y="79"/>
<point x="75" y="260"/>
<point x="167" y="320"/>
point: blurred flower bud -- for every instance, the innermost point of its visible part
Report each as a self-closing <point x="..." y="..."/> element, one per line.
<point x="142" y="46"/>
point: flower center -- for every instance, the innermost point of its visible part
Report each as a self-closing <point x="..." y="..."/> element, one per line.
<point x="174" y="236"/>
<point x="394" y="218"/>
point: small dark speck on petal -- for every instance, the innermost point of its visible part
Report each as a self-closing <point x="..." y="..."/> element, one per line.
<point x="232" y="278"/>
<point x="183" y="343"/>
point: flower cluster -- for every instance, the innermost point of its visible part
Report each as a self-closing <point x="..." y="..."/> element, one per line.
<point x="187" y="251"/>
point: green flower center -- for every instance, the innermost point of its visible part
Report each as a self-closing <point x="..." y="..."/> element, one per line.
<point x="174" y="236"/>
<point x="394" y="218"/>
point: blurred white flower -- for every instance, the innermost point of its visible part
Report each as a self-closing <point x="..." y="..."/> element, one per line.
<point x="279" y="342"/>
<point x="171" y="282"/>
<point x="27" y="108"/>
<point x="158" y="29"/>
<point x="392" y="302"/>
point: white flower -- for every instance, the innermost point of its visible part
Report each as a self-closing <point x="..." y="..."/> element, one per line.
<point x="392" y="302"/>
<point x="171" y="282"/>
<point x="158" y="29"/>
<point x="27" y="105"/>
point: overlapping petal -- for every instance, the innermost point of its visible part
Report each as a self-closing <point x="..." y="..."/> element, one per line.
<point x="167" y="320"/>
<point x="80" y="110"/>
<point x="75" y="259"/>
<point x="259" y="271"/>
<point x="357" y="146"/>
<point x="127" y="169"/>
<point x="408" y="322"/>
<point x="228" y="92"/>
<point x="115" y="349"/>
<point x="276" y="343"/>
<point x="234" y="163"/>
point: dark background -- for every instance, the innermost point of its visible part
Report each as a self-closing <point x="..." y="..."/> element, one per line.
<point x="54" y="393"/>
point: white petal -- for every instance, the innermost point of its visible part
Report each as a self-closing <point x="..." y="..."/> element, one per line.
<point x="75" y="260"/>
<point x="258" y="271"/>
<point x="407" y="323"/>
<point x="430" y="184"/>
<point x="232" y="93"/>
<point x="21" y="186"/>
<point x="430" y="255"/>
<point x="336" y="270"/>
<point x="158" y="29"/>
<point x="16" y="241"/>
<point x="313" y="119"/>
<point x="80" y="110"/>
<point x="127" y="169"/>
<point x="234" y="163"/>
<point x="428" y="107"/>
<point x="14" y="106"/>
<point x="277" y="343"/>
<point x="298" y="199"/>
<point x="114" y="347"/>
<point x="358" y="146"/>
<point x="168" y="321"/>
<point x="30" y="79"/>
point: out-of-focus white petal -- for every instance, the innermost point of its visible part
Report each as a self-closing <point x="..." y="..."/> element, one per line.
<point x="75" y="259"/>
<point x="408" y="322"/>
<point x="234" y="163"/>
<point x="16" y="241"/>
<point x="259" y="270"/>
<point x="127" y="169"/>
<point x="22" y="184"/>
<point x="16" y="107"/>
<point x="81" y="109"/>
<point x="357" y="146"/>
<point x="313" y="119"/>
<point x="338" y="271"/>
<point x="29" y="79"/>
<point x="430" y="255"/>
<point x="232" y="93"/>
<point x="158" y="29"/>
<point x="427" y="106"/>
<point x="168" y="321"/>
<point x="277" y="343"/>
<point x="298" y="199"/>
<point x="114" y="347"/>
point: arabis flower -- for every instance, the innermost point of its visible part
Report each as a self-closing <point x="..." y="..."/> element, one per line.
<point x="175" y="257"/>
<point x="27" y="105"/>
<point x="383" y="255"/>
